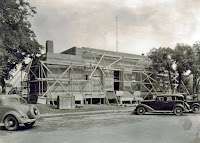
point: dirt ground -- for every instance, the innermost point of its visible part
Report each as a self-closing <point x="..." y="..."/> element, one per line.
<point x="49" y="109"/>
<point x="111" y="127"/>
<point x="96" y="126"/>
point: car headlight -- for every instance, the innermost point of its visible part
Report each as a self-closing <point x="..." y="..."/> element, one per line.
<point x="24" y="117"/>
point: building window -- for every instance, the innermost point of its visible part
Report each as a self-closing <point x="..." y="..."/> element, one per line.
<point x="116" y="75"/>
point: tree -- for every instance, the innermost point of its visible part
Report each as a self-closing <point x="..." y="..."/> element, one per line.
<point x="161" y="61"/>
<point x="17" y="40"/>
<point x="195" y="68"/>
<point x="183" y="55"/>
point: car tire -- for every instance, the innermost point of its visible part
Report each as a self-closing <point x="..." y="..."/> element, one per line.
<point x="34" y="112"/>
<point x="178" y="111"/>
<point x="140" y="110"/>
<point x="29" y="125"/>
<point x="195" y="109"/>
<point x="11" y="123"/>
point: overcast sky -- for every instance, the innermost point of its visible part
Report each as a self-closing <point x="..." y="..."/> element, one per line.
<point x="142" y="24"/>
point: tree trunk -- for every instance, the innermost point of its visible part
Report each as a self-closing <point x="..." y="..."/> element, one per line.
<point x="179" y="81"/>
<point x="194" y="91"/>
<point x="170" y="81"/>
<point x="197" y="88"/>
<point x="3" y="84"/>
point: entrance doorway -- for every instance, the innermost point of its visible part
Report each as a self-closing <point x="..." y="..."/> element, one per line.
<point x="116" y="86"/>
<point x="118" y="83"/>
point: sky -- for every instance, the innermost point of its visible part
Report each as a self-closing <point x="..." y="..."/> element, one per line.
<point x="142" y="24"/>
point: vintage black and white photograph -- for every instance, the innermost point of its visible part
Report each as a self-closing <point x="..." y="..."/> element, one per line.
<point x="99" y="71"/>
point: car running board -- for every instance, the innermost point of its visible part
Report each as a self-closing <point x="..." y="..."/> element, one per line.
<point x="161" y="111"/>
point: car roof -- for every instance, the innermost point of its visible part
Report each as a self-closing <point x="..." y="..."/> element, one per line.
<point x="179" y="95"/>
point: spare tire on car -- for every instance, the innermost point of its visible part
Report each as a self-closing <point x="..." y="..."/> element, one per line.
<point x="34" y="112"/>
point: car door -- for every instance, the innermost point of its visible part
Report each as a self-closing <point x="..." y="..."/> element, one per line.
<point x="168" y="103"/>
<point x="160" y="103"/>
<point x="172" y="101"/>
<point x="156" y="104"/>
<point x="151" y="103"/>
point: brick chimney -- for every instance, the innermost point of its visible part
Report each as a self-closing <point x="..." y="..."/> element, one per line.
<point x="49" y="46"/>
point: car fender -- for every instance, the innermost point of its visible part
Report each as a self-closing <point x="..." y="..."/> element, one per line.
<point x="187" y="105"/>
<point x="148" y="108"/>
<point x="195" y="104"/>
<point x="15" y="114"/>
<point x="180" y="105"/>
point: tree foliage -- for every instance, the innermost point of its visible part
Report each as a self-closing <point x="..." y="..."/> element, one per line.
<point x="17" y="41"/>
<point x="195" y="67"/>
<point x="162" y="61"/>
<point x="183" y="57"/>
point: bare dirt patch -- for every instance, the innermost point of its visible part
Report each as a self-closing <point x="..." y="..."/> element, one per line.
<point x="44" y="108"/>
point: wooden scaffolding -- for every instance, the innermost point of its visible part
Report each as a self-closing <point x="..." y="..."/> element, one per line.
<point x="111" y="73"/>
<point x="94" y="75"/>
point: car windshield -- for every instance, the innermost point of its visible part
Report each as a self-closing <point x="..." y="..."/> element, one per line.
<point x="22" y="101"/>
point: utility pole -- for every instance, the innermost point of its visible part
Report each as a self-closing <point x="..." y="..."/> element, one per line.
<point x="116" y="34"/>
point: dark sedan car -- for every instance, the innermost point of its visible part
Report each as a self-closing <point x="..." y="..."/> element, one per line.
<point x="164" y="103"/>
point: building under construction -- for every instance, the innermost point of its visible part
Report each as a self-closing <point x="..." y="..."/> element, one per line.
<point x="92" y="76"/>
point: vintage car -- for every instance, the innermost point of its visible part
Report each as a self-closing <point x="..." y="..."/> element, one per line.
<point x="193" y="102"/>
<point x="14" y="110"/>
<point x="194" y="105"/>
<point x="164" y="103"/>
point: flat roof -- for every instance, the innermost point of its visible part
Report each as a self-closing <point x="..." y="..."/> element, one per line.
<point x="102" y="51"/>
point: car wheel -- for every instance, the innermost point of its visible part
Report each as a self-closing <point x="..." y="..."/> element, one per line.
<point x="11" y="123"/>
<point x="29" y="125"/>
<point x="195" y="109"/>
<point x="140" y="110"/>
<point x="34" y="112"/>
<point x="178" y="111"/>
